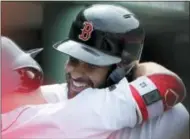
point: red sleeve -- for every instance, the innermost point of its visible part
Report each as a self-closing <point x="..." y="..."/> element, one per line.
<point x="156" y="93"/>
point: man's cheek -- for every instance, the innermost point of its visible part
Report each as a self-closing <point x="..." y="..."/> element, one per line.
<point x="96" y="83"/>
<point x="68" y="68"/>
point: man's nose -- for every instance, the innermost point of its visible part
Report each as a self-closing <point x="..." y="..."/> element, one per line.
<point x="79" y="70"/>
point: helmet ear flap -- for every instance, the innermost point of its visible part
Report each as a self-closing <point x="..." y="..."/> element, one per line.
<point x="124" y="68"/>
<point x="119" y="72"/>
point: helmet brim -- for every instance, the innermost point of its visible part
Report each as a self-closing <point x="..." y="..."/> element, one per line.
<point x="16" y="57"/>
<point x="86" y="53"/>
<point x="34" y="52"/>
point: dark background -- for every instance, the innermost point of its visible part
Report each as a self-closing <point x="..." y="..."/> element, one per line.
<point x="41" y="24"/>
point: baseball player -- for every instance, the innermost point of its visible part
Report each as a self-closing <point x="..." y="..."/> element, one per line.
<point x="20" y="74"/>
<point x="100" y="100"/>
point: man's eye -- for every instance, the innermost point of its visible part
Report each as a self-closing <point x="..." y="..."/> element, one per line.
<point x="92" y="66"/>
<point x="73" y="60"/>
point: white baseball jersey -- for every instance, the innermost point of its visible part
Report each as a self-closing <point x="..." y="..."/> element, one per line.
<point x="93" y="114"/>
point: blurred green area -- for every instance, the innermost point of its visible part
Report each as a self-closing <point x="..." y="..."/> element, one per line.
<point x="56" y="24"/>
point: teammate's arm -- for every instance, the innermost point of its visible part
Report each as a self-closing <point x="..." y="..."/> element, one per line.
<point x="147" y="68"/>
<point x="107" y="109"/>
<point x="92" y="113"/>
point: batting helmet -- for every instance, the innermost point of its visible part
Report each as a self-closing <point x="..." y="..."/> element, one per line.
<point x="20" y="72"/>
<point x="105" y="35"/>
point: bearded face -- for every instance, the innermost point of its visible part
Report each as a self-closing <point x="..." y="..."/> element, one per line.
<point x="81" y="75"/>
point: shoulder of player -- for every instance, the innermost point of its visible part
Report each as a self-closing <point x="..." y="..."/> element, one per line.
<point x="54" y="93"/>
<point x="51" y="87"/>
<point x="178" y="119"/>
<point x="181" y="111"/>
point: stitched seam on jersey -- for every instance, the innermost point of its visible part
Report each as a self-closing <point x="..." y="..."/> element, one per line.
<point x="14" y="121"/>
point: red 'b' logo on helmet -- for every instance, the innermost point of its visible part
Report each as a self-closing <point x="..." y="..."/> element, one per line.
<point x="86" y="31"/>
